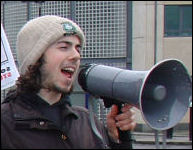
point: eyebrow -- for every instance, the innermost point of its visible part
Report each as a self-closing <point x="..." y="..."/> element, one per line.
<point x="67" y="42"/>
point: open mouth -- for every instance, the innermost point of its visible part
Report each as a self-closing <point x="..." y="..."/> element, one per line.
<point x="68" y="72"/>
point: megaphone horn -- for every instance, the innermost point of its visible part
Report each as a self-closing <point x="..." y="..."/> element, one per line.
<point x="162" y="93"/>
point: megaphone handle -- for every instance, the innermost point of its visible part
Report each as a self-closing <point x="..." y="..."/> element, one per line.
<point x="124" y="136"/>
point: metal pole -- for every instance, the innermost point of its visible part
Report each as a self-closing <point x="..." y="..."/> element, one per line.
<point x="3" y="24"/>
<point x="86" y="100"/>
<point x="102" y="111"/>
<point x="40" y="8"/>
<point x="155" y="34"/>
<point x="129" y="35"/>
<point x="3" y="21"/>
<point x="73" y="10"/>
<point x="28" y="11"/>
<point x="164" y="139"/>
<point x="190" y="120"/>
<point x="157" y="139"/>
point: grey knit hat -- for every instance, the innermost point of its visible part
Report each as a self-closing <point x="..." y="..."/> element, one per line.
<point x="39" y="33"/>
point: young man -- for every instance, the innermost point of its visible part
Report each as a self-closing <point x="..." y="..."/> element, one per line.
<point x="38" y="114"/>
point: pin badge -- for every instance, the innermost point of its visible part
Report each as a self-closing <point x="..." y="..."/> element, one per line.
<point x="69" y="28"/>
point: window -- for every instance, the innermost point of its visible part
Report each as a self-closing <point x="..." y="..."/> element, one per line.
<point x="178" y="20"/>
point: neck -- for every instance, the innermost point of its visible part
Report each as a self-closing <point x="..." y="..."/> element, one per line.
<point x="50" y="97"/>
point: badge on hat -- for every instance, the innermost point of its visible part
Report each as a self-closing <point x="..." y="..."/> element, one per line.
<point x="69" y="28"/>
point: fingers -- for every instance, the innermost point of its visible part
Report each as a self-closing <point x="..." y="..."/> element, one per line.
<point x="111" y="123"/>
<point x="126" y="120"/>
<point x="126" y="107"/>
<point x="126" y="124"/>
<point x="126" y="113"/>
<point x="113" y="112"/>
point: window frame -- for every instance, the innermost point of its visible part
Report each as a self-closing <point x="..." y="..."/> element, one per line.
<point x="180" y="30"/>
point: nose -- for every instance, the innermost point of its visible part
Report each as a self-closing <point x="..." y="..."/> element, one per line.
<point x="74" y="55"/>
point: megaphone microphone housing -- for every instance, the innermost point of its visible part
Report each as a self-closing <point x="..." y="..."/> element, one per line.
<point x="162" y="93"/>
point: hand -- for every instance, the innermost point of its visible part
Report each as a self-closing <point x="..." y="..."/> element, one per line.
<point x="124" y="121"/>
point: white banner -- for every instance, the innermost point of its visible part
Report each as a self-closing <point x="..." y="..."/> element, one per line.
<point x="9" y="72"/>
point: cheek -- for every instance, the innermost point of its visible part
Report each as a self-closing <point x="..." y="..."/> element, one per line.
<point x="53" y="56"/>
<point x="53" y="61"/>
<point x="50" y="67"/>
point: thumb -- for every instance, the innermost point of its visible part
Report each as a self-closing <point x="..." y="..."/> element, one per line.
<point x="114" y="111"/>
<point x="111" y="123"/>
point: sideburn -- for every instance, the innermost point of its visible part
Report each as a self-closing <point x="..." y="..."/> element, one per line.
<point x="30" y="81"/>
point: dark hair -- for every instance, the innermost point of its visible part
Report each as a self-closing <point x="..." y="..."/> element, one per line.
<point x="31" y="80"/>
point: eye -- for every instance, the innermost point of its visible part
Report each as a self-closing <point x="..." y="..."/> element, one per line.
<point x="78" y="48"/>
<point x="63" y="47"/>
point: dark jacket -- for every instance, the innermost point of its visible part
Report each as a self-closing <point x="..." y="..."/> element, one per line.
<point x="27" y="121"/>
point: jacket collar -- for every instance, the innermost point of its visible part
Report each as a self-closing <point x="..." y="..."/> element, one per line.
<point x="29" y="104"/>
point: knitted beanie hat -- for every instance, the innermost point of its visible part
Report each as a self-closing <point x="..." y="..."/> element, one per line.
<point x="39" y="33"/>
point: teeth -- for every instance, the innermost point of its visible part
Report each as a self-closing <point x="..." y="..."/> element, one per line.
<point x="71" y="70"/>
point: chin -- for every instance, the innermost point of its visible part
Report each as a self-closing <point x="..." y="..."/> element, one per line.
<point x="67" y="90"/>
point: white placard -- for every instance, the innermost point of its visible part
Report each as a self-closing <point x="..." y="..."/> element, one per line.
<point x="9" y="72"/>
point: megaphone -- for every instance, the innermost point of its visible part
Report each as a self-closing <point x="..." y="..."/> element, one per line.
<point x="162" y="94"/>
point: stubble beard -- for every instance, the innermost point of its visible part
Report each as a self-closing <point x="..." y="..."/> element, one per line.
<point x="63" y="91"/>
<point x="51" y="86"/>
<point x="54" y="87"/>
